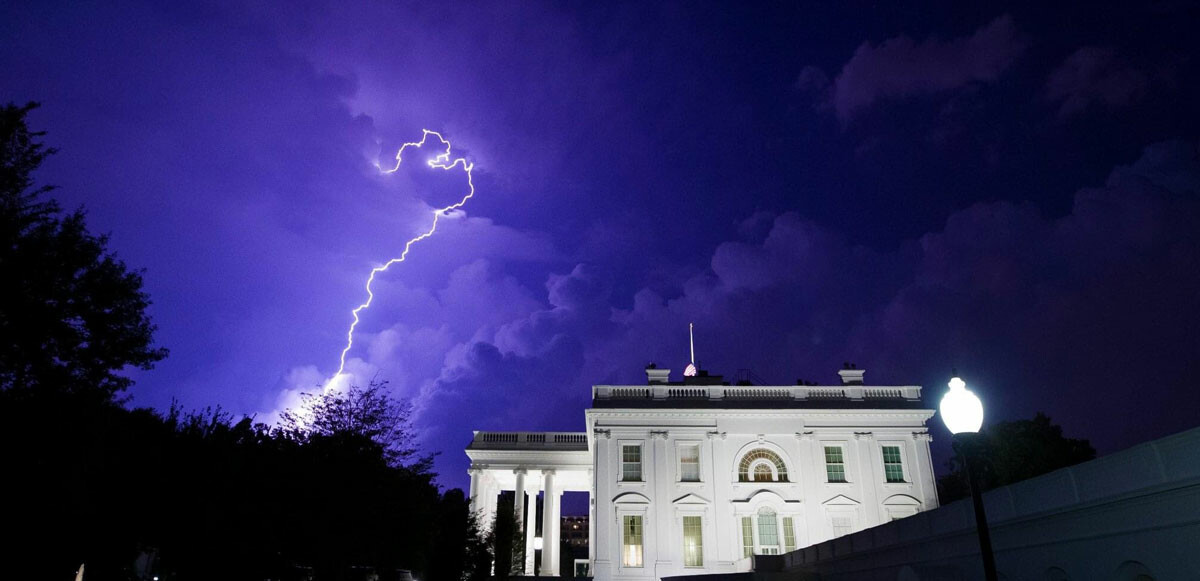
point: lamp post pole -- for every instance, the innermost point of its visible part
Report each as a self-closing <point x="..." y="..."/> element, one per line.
<point x="981" y="525"/>
<point x="963" y="414"/>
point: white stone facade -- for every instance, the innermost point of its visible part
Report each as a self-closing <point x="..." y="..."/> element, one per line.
<point x="688" y="478"/>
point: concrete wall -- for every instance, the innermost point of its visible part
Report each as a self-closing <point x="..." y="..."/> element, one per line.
<point x="1136" y="512"/>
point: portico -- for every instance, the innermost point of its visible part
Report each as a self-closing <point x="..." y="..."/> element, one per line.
<point x="528" y="463"/>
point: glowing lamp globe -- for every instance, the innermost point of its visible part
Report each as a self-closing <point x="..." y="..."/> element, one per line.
<point x="961" y="410"/>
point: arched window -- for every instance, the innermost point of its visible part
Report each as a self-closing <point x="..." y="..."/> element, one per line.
<point x="762" y="465"/>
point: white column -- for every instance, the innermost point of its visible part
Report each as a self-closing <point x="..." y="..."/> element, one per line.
<point x="591" y="518"/>
<point x="812" y="475"/>
<point x="519" y="502"/>
<point x="530" y="530"/>
<point x="489" y="501"/>
<point x="474" y="493"/>
<point x="870" y="478"/>
<point x="549" y="527"/>
<point x="604" y="548"/>
<point x="922" y="473"/>
<point x="659" y="473"/>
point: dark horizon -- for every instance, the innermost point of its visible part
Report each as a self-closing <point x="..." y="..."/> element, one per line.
<point x="1004" y="189"/>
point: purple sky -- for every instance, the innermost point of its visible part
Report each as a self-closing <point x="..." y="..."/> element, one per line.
<point x="1000" y="189"/>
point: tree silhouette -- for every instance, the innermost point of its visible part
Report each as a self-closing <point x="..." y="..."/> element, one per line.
<point x="1008" y="452"/>
<point x="72" y="315"/>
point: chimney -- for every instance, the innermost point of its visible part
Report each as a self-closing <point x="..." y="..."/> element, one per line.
<point x="851" y="375"/>
<point x="656" y="375"/>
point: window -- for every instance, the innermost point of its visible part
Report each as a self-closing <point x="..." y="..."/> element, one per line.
<point x="631" y="463"/>
<point x="747" y="537"/>
<point x="768" y="532"/>
<point x="693" y="542"/>
<point x="631" y="546"/>
<point x="893" y="469"/>
<point x="842" y="526"/>
<point x="789" y="534"/>
<point x="762" y="466"/>
<point x="835" y="464"/>
<point x="689" y="463"/>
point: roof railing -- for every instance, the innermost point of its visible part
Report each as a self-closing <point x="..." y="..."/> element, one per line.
<point x="756" y="392"/>
<point x="529" y="439"/>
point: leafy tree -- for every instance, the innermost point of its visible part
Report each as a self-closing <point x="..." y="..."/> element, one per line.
<point x="504" y="531"/>
<point x="1008" y="452"/>
<point x="368" y="414"/>
<point x="461" y="552"/>
<point x="72" y="315"/>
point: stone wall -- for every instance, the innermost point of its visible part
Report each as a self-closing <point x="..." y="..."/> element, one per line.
<point x="1135" y="512"/>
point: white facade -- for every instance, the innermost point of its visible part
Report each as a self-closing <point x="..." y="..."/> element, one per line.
<point x="688" y="478"/>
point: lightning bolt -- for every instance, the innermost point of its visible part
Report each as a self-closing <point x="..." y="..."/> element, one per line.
<point x="443" y="162"/>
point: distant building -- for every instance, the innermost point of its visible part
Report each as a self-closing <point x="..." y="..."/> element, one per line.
<point x="697" y="476"/>
<point x="575" y="531"/>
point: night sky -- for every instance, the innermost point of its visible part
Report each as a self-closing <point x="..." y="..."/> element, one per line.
<point x="1004" y="189"/>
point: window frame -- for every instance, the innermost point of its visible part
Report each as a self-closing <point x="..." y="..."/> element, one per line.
<point x="641" y="538"/>
<point x="748" y="544"/>
<point x="843" y="451"/>
<point x="680" y="445"/>
<point x="683" y="529"/>
<point x="641" y="446"/>
<point x="780" y="472"/>
<point x="904" y="467"/>
<point x="761" y="547"/>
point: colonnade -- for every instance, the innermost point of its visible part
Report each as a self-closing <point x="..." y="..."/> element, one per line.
<point x="484" y="496"/>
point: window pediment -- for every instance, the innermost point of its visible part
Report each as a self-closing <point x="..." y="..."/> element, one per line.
<point x="841" y="500"/>
<point x="690" y="499"/>
<point x="631" y="498"/>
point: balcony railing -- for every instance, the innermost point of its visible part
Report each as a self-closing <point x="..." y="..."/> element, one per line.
<point x="756" y="392"/>
<point x="533" y="440"/>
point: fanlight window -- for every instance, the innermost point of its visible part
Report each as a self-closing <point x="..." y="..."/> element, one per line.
<point x="762" y="465"/>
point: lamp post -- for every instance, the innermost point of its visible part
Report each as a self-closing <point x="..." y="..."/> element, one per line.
<point x="963" y="414"/>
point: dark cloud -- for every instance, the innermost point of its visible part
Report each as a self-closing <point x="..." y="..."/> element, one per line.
<point x="900" y="67"/>
<point x="1094" y="77"/>
<point x="1014" y="298"/>
<point x="654" y="161"/>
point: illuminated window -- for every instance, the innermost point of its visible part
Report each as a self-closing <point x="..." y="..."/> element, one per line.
<point x="768" y="532"/>
<point x="835" y="464"/>
<point x="747" y="536"/>
<point x="689" y="463"/>
<point x="762" y="466"/>
<point x="631" y="463"/>
<point x="631" y="553"/>
<point x="893" y="469"/>
<point x="789" y="534"/>
<point x="693" y="542"/>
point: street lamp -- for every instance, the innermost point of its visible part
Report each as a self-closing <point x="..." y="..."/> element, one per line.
<point x="963" y="414"/>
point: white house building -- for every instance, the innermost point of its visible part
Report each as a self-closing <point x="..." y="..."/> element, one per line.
<point x="694" y="476"/>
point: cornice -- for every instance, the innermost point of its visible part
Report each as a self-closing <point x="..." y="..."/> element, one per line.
<point x="756" y="413"/>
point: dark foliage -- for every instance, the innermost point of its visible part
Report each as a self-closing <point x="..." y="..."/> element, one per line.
<point x="1008" y="452"/>
<point x="339" y="492"/>
<point x="504" y="536"/>
<point x="72" y="316"/>
<point x="134" y="493"/>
